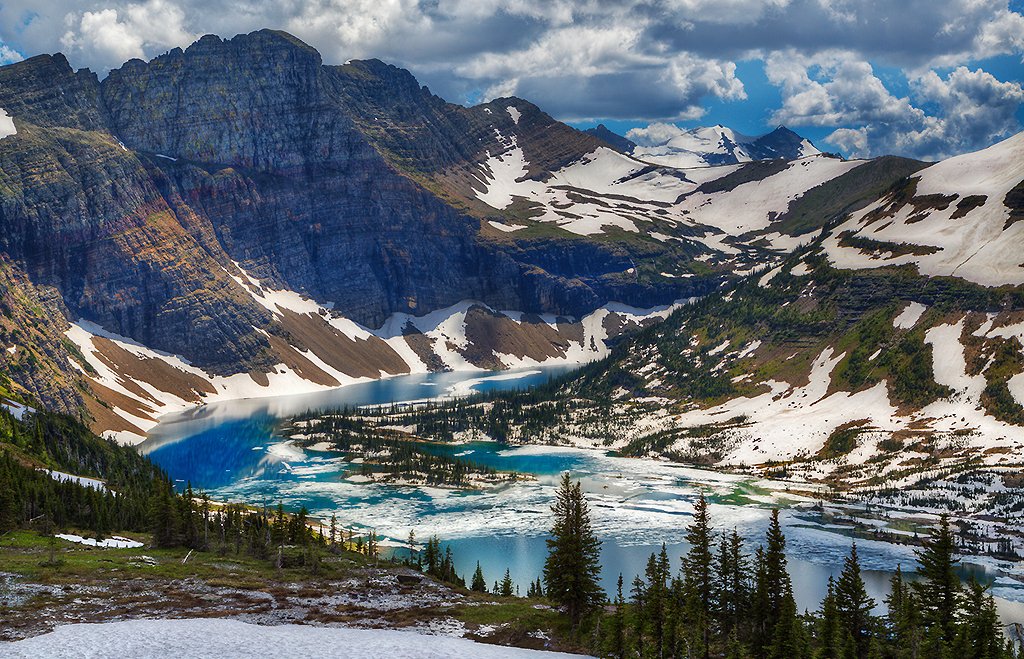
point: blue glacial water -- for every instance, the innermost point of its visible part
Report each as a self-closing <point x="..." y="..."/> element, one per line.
<point x="230" y="449"/>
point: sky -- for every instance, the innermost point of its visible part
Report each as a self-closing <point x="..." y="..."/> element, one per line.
<point x="920" y="78"/>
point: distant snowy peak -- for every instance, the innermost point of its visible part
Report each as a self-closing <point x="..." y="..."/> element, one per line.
<point x="668" y="144"/>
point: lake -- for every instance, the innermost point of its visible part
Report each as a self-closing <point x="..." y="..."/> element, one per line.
<point x="230" y="449"/>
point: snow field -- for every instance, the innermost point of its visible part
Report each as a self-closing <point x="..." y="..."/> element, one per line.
<point x="211" y="638"/>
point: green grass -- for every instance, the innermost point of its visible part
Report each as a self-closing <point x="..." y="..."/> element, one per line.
<point x="515" y="610"/>
<point x="26" y="552"/>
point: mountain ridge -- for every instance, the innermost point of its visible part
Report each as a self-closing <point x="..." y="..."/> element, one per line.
<point x="170" y="204"/>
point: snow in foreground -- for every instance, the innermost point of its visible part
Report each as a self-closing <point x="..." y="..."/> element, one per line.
<point x="224" y="639"/>
<point x="113" y="542"/>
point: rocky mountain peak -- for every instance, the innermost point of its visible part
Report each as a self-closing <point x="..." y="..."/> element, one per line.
<point x="44" y="90"/>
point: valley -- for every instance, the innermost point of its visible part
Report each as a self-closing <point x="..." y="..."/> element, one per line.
<point x="247" y="296"/>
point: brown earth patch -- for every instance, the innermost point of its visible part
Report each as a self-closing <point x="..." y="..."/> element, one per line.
<point x="423" y="346"/>
<point x="260" y="378"/>
<point x="299" y="363"/>
<point x="489" y="332"/>
<point x="967" y="204"/>
<point x="1014" y="200"/>
<point x="156" y="372"/>
<point x="105" y="419"/>
<point x="120" y="401"/>
<point x="354" y="357"/>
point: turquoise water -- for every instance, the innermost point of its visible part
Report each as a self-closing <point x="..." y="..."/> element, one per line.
<point x="230" y="450"/>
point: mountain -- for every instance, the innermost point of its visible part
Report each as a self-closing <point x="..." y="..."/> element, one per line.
<point x="612" y="139"/>
<point x="667" y="144"/>
<point x="239" y="219"/>
<point x="887" y="355"/>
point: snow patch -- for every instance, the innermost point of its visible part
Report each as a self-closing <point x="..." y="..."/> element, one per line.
<point x="212" y="638"/>
<point x="81" y="480"/>
<point x="909" y="316"/>
<point x="507" y="228"/>
<point x="514" y="113"/>
<point x="7" y="128"/>
<point x="113" y="542"/>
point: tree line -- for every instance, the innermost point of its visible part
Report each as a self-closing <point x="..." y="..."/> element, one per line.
<point x="724" y="601"/>
<point x="720" y="600"/>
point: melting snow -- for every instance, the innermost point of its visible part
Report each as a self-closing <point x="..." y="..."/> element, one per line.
<point x="975" y="246"/>
<point x="909" y="316"/>
<point x="507" y="228"/>
<point x="7" y="127"/>
<point x="210" y="638"/>
<point x="113" y="542"/>
<point x="514" y="113"/>
<point x="81" y="480"/>
<point x="17" y="409"/>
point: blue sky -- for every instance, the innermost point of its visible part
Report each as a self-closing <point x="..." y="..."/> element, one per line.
<point x="921" y="78"/>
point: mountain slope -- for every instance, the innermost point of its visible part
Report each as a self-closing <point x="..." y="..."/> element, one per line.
<point x="236" y="218"/>
<point x="885" y="374"/>
<point x="957" y="218"/>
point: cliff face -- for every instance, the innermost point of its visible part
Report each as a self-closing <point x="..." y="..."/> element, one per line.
<point x="81" y="214"/>
<point x="162" y="203"/>
<point x="132" y="202"/>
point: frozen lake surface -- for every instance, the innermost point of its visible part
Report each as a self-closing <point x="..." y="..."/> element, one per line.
<point x="230" y="450"/>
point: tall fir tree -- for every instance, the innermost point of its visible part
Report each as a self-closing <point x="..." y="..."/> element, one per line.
<point x="478" y="584"/>
<point x="698" y="582"/>
<point x="775" y="607"/>
<point x="903" y="617"/>
<point x="616" y="646"/>
<point x="572" y="567"/>
<point x="938" y="590"/>
<point x="506" y="588"/>
<point x="979" y="631"/>
<point x="829" y="625"/>
<point x="731" y="591"/>
<point x="854" y="605"/>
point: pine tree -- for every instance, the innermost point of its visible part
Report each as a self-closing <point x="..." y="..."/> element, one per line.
<point x="506" y="589"/>
<point x="829" y="625"/>
<point x="432" y="557"/>
<point x="638" y="598"/>
<point x="789" y="638"/>
<point x="904" y="617"/>
<point x="939" y="588"/>
<point x="657" y="599"/>
<point x="731" y="589"/>
<point x="573" y="563"/>
<point x="980" y="634"/>
<point x="697" y="577"/>
<point x="775" y="611"/>
<point x="478" y="584"/>
<point x="617" y="634"/>
<point x="164" y="517"/>
<point x="853" y="603"/>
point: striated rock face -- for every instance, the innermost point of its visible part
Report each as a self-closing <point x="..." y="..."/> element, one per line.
<point x="149" y="202"/>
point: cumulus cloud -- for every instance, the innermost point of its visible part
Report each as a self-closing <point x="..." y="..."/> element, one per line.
<point x="8" y="55"/>
<point x="116" y="35"/>
<point x="967" y="109"/>
<point x="636" y="60"/>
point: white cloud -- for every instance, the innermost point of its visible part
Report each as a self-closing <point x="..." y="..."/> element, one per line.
<point x="971" y="110"/>
<point x="112" y="36"/>
<point x="655" y="134"/>
<point x="8" y="55"/>
<point x="609" y="59"/>
<point x="833" y="88"/>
